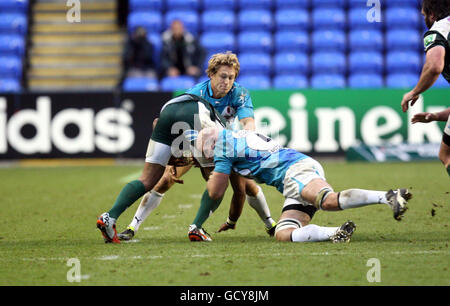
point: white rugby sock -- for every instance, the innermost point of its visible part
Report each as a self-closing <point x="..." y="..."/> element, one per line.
<point x="150" y="201"/>
<point x="313" y="233"/>
<point x="352" y="198"/>
<point x="259" y="204"/>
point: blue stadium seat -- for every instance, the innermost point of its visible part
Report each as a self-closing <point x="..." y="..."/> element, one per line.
<point x="190" y="19"/>
<point x="441" y="83"/>
<point x="255" y="41"/>
<point x="365" y="61"/>
<point x="249" y="20"/>
<point x="328" y="3"/>
<point x="254" y="81"/>
<point x="403" y="62"/>
<point x="291" y="63"/>
<point x="220" y="41"/>
<point x="328" y="81"/>
<point x="294" y="41"/>
<point x="177" y="83"/>
<point x="8" y="85"/>
<point x="358" y="4"/>
<point x="182" y="5"/>
<point x="10" y="66"/>
<point x="13" y="23"/>
<point x="13" y="6"/>
<point x="404" y="40"/>
<point x="140" y="84"/>
<point x="12" y="44"/>
<point x="290" y="81"/>
<point x="145" y="5"/>
<point x="218" y="20"/>
<point x="329" y="18"/>
<point x="399" y="17"/>
<point x="292" y="19"/>
<point x="365" y="80"/>
<point x="156" y="41"/>
<point x="324" y="40"/>
<point x="328" y="62"/>
<point x="255" y="4"/>
<point x="366" y="40"/>
<point x="402" y="80"/>
<point x="151" y="21"/>
<point x="357" y="19"/>
<point x="254" y="63"/>
<point x="290" y="4"/>
<point x="219" y="4"/>
<point x="403" y="3"/>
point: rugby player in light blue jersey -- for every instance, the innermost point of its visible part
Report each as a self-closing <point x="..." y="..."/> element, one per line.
<point x="297" y="176"/>
<point x="231" y="100"/>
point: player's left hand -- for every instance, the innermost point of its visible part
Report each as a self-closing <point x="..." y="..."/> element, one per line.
<point x="226" y="226"/>
<point x="173" y="173"/>
<point x="409" y="97"/>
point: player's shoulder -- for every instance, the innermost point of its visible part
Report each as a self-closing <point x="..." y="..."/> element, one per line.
<point x="239" y="92"/>
<point x="441" y="27"/>
<point x="199" y="88"/>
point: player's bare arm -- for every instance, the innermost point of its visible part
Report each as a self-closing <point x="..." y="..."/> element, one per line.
<point x="248" y="123"/>
<point x="433" y="67"/>
<point x="426" y="117"/>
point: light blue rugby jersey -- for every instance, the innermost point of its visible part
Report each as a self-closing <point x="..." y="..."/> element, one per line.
<point x="254" y="155"/>
<point x="236" y="103"/>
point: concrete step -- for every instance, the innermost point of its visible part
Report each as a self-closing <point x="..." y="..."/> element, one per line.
<point x="70" y="61"/>
<point x="74" y="50"/>
<point x="117" y="38"/>
<point x="70" y="72"/>
<point x="75" y="28"/>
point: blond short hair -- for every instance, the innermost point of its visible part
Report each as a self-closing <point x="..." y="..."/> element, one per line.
<point x="220" y="59"/>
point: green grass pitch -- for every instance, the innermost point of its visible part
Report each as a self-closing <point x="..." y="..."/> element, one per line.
<point x="48" y="216"/>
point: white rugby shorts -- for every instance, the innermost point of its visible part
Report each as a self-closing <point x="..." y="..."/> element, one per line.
<point x="297" y="177"/>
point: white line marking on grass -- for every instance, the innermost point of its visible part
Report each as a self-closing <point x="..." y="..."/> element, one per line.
<point x="151" y="228"/>
<point x="168" y="217"/>
<point x="130" y="177"/>
<point x="195" y="196"/>
<point x="108" y="257"/>
<point x="116" y="257"/>
<point x="132" y="241"/>
<point x="185" y="206"/>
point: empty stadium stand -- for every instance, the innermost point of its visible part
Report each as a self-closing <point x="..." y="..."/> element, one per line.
<point x="79" y="55"/>
<point x="304" y="43"/>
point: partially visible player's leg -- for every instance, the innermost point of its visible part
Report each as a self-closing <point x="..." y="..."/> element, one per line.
<point x="151" y="201"/>
<point x="257" y="200"/>
<point x="444" y="151"/>
<point x="322" y="195"/>
<point x="106" y="223"/>
<point x="294" y="225"/>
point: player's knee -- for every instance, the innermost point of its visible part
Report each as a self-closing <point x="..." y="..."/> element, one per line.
<point x="251" y="189"/>
<point x="215" y="196"/>
<point x="285" y="227"/>
<point x="330" y="203"/>
<point x="326" y="199"/>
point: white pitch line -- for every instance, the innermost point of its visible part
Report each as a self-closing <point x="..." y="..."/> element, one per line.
<point x="116" y="257"/>
<point x="130" y="177"/>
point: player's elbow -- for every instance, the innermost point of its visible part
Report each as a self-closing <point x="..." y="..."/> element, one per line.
<point x="436" y="68"/>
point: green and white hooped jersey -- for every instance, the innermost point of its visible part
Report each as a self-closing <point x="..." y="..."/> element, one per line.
<point x="439" y="35"/>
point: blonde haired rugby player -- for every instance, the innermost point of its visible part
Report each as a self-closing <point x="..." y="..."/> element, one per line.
<point x="297" y="176"/>
<point x="230" y="100"/>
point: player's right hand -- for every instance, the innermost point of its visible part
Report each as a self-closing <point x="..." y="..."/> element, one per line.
<point x="423" y="117"/>
<point x="226" y="226"/>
